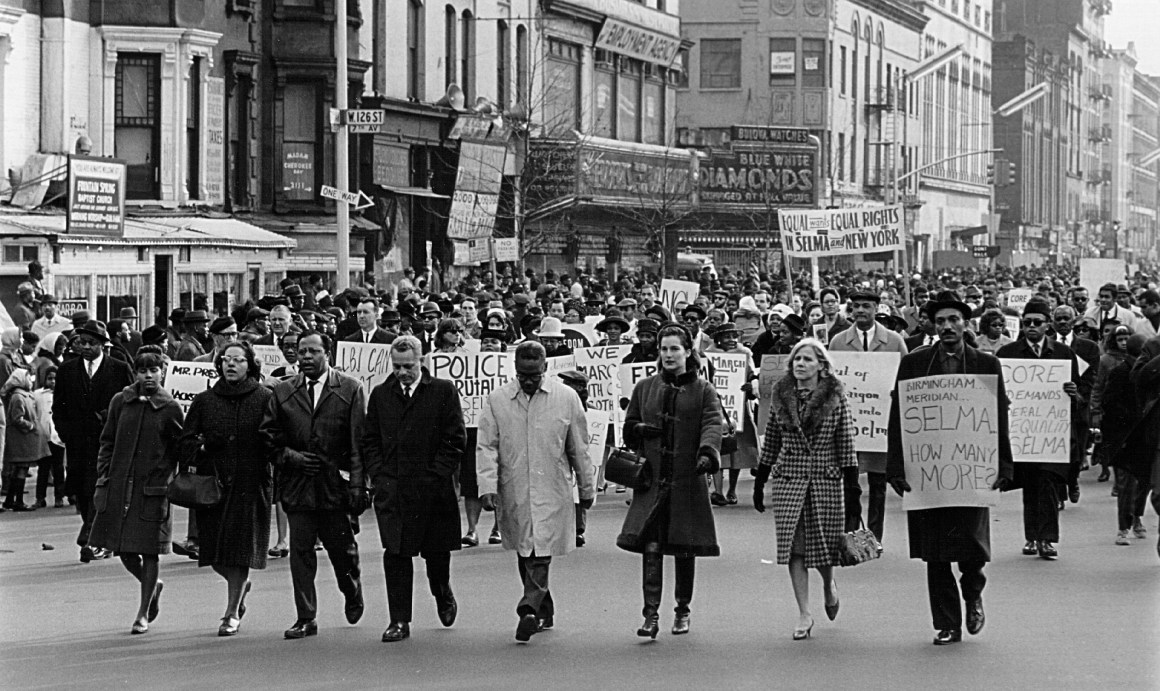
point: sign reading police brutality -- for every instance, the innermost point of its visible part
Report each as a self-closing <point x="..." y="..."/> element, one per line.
<point x="832" y="232"/>
<point x="950" y="440"/>
<point x="184" y="380"/>
<point x="369" y="363"/>
<point x="475" y="376"/>
<point x="729" y="372"/>
<point x="674" y="292"/>
<point x="868" y="379"/>
<point x="1039" y="419"/>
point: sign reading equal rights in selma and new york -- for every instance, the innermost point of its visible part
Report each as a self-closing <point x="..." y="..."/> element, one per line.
<point x="831" y="232"/>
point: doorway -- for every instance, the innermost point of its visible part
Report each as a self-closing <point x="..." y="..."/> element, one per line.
<point x="162" y="277"/>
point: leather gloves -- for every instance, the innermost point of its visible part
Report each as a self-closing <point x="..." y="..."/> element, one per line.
<point x="302" y="461"/>
<point x="704" y="465"/>
<point x="587" y="503"/>
<point x="900" y="485"/>
<point x="646" y="431"/>
<point x="761" y="476"/>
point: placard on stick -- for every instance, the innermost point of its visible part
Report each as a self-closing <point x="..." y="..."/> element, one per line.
<point x="1039" y="419"/>
<point x="476" y="376"/>
<point x="184" y="380"/>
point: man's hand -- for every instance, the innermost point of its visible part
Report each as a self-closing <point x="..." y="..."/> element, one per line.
<point x="488" y="501"/>
<point x="900" y="485"/>
<point x="304" y="462"/>
<point x="1003" y="484"/>
<point x="704" y="465"/>
<point x="1070" y="388"/>
<point x="587" y="503"/>
<point x="358" y="499"/>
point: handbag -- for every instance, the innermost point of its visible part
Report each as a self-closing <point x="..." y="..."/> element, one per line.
<point x="623" y="467"/>
<point x="193" y="491"/>
<point x="858" y="547"/>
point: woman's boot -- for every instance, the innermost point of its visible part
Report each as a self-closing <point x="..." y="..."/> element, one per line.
<point x="685" y="572"/>
<point x="653" y="578"/>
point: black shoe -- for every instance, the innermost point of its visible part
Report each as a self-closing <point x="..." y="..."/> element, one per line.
<point x="581" y="540"/>
<point x="302" y="629"/>
<point x="546" y="623"/>
<point x="354" y="605"/>
<point x="975" y="616"/>
<point x="1073" y="494"/>
<point x="948" y="636"/>
<point x="527" y="627"/>
<point x="41" y="504"/>
<point x="180" y="549"/>
<point x="397" y="631"/>
<point x="1030" y="548"/>
<point x="192" y="551"/>
<point x="1104" y="475"/>
<point x="102" y="553"/>
<point x="86" y="554"/>
<point x="650" y="628"/>
<point x="1047" y="550"/>
<point x="447" y="608"/>
<point x="718" y="499"/>
<point x="681" y="624"/>
<point x="21" y="508"/>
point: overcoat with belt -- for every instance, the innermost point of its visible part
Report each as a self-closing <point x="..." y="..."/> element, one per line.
<point x="411" y="447"/>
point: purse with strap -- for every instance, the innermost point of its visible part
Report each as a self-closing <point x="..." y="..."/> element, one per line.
<point x="193" y="491"/>
<point x="858" y="547"/>
<point x="623" y="467"/>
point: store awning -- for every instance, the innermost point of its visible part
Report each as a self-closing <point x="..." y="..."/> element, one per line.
<point x="415" y="192"/>
<point x="971" y="232"/>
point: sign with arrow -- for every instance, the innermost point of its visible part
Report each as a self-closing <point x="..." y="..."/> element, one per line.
<point x="355" y="199"/>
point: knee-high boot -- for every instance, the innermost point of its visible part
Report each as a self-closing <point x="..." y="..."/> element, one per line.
<point x="652" y="583"/>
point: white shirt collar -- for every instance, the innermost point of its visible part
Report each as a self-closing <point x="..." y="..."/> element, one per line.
<point x="95" y="364"/>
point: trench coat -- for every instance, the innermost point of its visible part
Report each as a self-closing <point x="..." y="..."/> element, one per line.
<point x="411" y="448"/>
<point x="807" y="453"/>
<point x="957" y="533"/>
<point x="527" y="453"/>
<point x="134" y="466"/>
<point x="883" y="340"/>
<point x="674" y="511"/>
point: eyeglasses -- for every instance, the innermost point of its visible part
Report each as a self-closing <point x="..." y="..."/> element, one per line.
<point x="1034" y="322"/>
<point x="234" y="360"/>
<point x="529" y="377"/>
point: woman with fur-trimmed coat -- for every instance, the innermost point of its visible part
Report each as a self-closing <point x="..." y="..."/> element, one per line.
<point x="809" y="453"/>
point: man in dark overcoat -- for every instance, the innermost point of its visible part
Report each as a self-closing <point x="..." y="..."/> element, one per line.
<point x="84" y="388"/>
<point x="951" y="534"/>
<point x="413" y="441"/>
<point x="312" y="427"/>
<point x="1043" y="483"/>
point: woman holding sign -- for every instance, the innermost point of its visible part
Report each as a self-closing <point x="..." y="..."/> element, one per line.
<point x="725" y="341"/>
<point x="674" y="421"/>
<point x="809" y="452"/>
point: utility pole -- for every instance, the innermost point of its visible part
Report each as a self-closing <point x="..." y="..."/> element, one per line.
<point x="341" y="149"/>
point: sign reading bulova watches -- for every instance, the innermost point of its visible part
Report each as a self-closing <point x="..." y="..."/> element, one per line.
<point x="96" y="196"/>
<point x="831" y="232"/>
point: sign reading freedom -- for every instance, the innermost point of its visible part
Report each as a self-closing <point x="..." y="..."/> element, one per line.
<point x="833" y="232"/>
<point x="950" y="440"/>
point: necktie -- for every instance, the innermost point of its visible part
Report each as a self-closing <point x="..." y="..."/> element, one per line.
<point x="366" y="337"/>
<point x="1035" y="348"/>
<point x="310" y="390"/>
<point x="865" y="342"/>
<point x="90" y="368"/>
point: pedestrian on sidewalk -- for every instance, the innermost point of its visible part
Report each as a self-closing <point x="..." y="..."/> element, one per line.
<point x="51" y="467"/>
<point x="674" y="421"/>
<point x="25" y="437"/>
<point x="136" y="461"/>
<point x="533" y="439"/>
<point x="221" y="432"/>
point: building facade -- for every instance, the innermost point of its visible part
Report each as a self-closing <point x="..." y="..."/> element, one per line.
<point x="1130" y="192"/>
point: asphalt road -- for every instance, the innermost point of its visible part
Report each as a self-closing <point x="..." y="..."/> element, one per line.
<point x="1088" y="620"/>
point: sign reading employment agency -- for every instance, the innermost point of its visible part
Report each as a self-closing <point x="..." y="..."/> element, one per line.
<point x="638" y="42"/>
<point x="832" y="232"/>
<point x="96" y="196"/>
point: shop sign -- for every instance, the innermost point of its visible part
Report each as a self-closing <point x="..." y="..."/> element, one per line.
<point x="215" y="140"/>
<point x="298" y="170"/>
<point x="472" y="215"/>
<point x="635" y="177"/>
<point x="637" y="42"/>
<point x="392" y="165"/>
<point x="96" y="196"/>
<point x="770" y="135"/>
<point x="762" y="178"/>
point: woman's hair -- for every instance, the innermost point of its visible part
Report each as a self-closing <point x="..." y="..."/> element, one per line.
<point x="991" y="315"/>
<point x="1110" y="342"/>
<point x="680" y="332"/>
<point x="446" y="325"/>
<point x="148" y="359"/>
<point x="809" y="307"/>
<point x="820" y="351"/>
<point x="253" y="367"/>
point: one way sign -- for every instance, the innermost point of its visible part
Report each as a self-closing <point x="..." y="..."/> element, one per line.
<point x="352" y="198"/>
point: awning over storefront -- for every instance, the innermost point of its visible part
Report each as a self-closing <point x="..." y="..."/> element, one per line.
<point x="155" y="230"/>
<point x="415" y="192"/>
<point x="971" y="232"/>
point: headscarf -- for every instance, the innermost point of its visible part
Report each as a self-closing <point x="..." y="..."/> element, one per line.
<point x="48" y="343"/>
<point x="10" y="340"/>
<point x="19" y="379"/>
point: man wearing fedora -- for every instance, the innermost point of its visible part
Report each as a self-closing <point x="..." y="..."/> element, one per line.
<point x="133" y="342"/>
<point x="85" y="386"/>
<point x="49" y="321"/>
<point x="193" y="333"/>
<point x="551" y="336"/>
<point x="957" y="533"/>
<point x="868" y="336"/>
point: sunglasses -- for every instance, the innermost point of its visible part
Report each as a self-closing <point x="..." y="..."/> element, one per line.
<point x="1034" y="322"/>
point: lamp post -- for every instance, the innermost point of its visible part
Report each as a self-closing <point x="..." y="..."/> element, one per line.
<point x="341" y="153"/>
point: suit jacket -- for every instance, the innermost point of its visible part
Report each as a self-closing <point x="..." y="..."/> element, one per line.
<point x="916" y="341"/>
<point x="412" y="448"/>
<point x="1126" y="316"/>
<point x="955" y="533"/>
<point x="883" y="340"/>
<point x="331" y="430"/>
<point x="1144" y="326"/>
<point x="377" y="336"/>
<point x="188" y="350"/>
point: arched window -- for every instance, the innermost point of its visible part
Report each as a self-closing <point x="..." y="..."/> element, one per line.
<point x="467" y="57"/>
<point x="450" y="45"/>
<point x="415" y="49"/>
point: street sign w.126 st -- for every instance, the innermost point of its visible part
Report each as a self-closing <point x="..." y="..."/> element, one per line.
<point x="364" y="121"/>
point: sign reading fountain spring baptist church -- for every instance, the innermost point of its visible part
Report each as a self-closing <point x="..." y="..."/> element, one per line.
<point x="831" y="232"/>
<point x="96" y="196"/>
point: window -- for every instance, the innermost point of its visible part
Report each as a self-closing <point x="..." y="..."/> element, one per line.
<point x="240" y="124"/>
<point x="450" y="19"/>
<point x="117" y="292"/>
<point x="604" y="93"/>
<point x="562" y="87"/>
<point x="415" y="49"/>
<point x="653" y="107"/>
<point x="854" y="70"/>
<point x="782" y="61"/>
<point x="137" y="124"/>
<point x="682" y="71"/>
<point x="813" y="62"/>
<point x="20" y="254"/>
<point x="192" y="127"/>
<point x="521" y="65"/>
<point x="192" y="291"/>
<point x="842" y="72"/>
<point x="628" y="100"/>
<point x="467" y="58"/>
<point x="502" y="51"/>
<point x="841" y="155"/>
<point x="721" y="63"/>
<point x="301" y="164"/>
<point x="227" y="292"/>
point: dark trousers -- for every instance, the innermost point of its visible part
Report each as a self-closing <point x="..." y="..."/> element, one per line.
<point x="537" y="599"/>
<point x="876" y="510"/>
<point x="945" y="610"/>
<point x="1131" y="498"/>
<point x="400" y="573"/>
<point x="82" y="482"/>
<point x="51" y="466"/>
<point x="1041" y="506"/>
<point x="333" y="528"/>
<point x="581" y="520"/>
<point x="653" y="581"/>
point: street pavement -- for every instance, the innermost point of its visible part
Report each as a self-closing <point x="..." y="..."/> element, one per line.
<point x="1088" y="620"/>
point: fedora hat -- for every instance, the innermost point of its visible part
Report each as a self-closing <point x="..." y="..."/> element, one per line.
<point x="947" y="299"/>
<point x="195" y="317"/>
<point x="92" y="328"/>
<point x="126" y="313"/>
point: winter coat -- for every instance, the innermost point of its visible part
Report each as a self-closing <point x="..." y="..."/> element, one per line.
<point x="136" y="461"/>
<point x="528" y="452"/>
<point x="332" y="430"/>
<point x="746" y="431"/>
<point x="411" y="448"/>
<point x="26" y="436"/>
<point x="221" y="431"/>
<point x="674" y="510"/>
<point x="807" y="453"/>
<point x="79" y="408"/>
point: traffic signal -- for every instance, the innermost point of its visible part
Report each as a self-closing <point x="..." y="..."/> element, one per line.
<point x="1003" y="170"/>
<point x="1012" y="173"/>
<point x="991" y="173"/>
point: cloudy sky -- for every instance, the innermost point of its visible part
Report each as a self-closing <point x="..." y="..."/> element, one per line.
<point x="1137" y="21"/>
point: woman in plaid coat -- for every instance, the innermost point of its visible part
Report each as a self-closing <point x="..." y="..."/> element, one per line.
<point x="809" y="452"/>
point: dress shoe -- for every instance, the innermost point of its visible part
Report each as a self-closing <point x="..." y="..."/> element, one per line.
<point x="41" y="504"/>
<point x="355" y="605"/>
<point x="832" y="610"/>
<point x="21" y="508"/>
<point x="86" y="554"/>
<point x="140" y="626"/>
<point x="1030" y="548"/>
<point x="731" y="498"/>
<point x="180" y="549"/>
<point x="229" y="626"/>
<point x="546" y="623"/>
<point x="650" y="628"/>
<point x="1047" y="550"/>
<point x="1104" y="475"/>
<point x="58" y="504"/>
<point x="948" y="636"/>
<point x="975" y="616"/>
<point x="718" y="499"/>
<point x="495" y="538"/>
<point x="102" y="553"/>
<point x="447" y="608"/>
<point x="581" y="540"/>
<point x="277" y="552"/>
<point x="302" y="629"/>
<point x="800" y="634"/>
<point x="681" y="624"/>
<point x="155" y="603"/>
<point x="397" y="631"/>
<point x="192" y="551"/>
<point x="527" y="627"/>
<point x="1073" y="494"/>
<point x="469" y="540"/>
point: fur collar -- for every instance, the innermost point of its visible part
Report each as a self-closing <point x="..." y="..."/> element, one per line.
<point x="824" y="399"/>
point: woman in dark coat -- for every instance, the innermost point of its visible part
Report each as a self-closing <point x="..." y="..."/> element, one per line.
<point x="674" y="421"/>
<point x="809" y="452"/>
<point x="222" y="429"/>
<point x="134" y="466"/>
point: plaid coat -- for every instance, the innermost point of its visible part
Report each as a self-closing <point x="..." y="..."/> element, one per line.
<point x="807" y="453"/>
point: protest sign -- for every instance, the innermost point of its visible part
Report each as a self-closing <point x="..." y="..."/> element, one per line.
<point x="601" y="365"/>
<point x="369" y="363"/>
<point x="579" y="335"/>
<point x="1095" y="272"/>
<point x="950" y="440"/>
<point x="184" y="380"/>
<point x="675" y="292"/>
<point x="628" y="376"/>
<point x="270" y="357"/>
<point x="772" y="369"/>
<point x="832" y="232"/>
<point x="1017" y="298"/>
<point x="1039" y="419"/>
<point x="868" y="379"/>
<point x="729" y="373"/>
<point x="821" y="332"/>
<point x="1014" y="325"/>
<point x="556" y="365"/>
<point x="475" y="376"/>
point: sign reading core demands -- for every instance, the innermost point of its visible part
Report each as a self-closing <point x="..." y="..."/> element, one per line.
<point x="833" y="232"/>
<point x="950" y="440"/>
<point x="1039" y="420"/>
